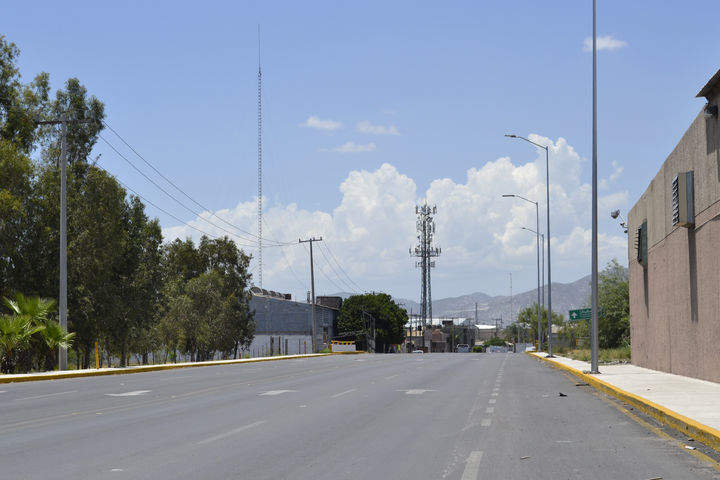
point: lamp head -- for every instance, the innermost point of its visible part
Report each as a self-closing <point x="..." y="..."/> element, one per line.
<point x="508" y="195"/>
<point x="615" y="213"/>
<point x="510" y="135"/>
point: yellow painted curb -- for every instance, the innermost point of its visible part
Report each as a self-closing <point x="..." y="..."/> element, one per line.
<point x="692" y="428"/>
<point x="150" y="368"/>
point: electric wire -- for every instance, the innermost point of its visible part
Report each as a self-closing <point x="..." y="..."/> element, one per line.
<point x="327" y="260"/>
<point x="180" y="189"/>
<point x="327" y="246"/>
<point x="129" y="162"/>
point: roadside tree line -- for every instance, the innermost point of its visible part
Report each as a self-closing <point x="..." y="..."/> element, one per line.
<point x="127" y="289"/>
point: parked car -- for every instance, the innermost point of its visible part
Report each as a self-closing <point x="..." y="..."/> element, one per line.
<point x="462" y="348"/>
<point x="417" y="351"/>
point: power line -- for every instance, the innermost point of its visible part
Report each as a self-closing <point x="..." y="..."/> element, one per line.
<point x="297" y="277"/>
<point x="352" y="289"/>
<point x="164" y="177"/>
<point x="327" y="246"/>
<point x="172" y="196"/>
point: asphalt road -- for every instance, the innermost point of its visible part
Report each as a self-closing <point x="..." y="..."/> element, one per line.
<point x="437" y="416"/>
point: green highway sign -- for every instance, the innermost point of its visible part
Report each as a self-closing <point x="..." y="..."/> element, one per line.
<point x="580" y="314"/>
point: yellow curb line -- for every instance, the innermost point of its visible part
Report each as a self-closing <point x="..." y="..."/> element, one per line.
<point x="152" y="368"/>
<point x="687" y="426"/>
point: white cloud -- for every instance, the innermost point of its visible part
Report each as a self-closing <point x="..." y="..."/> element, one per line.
<point x="321" y="124"/>
<point x="372" y="227"/>
<point x="352" y="147"/>
<point x="367" y="127"/>
<point x="617" y="170"/>
<point x="607" y="42"/>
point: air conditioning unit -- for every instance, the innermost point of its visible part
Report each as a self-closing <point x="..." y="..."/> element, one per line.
<point x="641" y="243"/>
<point x="683" y="206"/>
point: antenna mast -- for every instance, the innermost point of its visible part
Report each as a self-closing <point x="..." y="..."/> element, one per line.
<point x="259" y="194"/>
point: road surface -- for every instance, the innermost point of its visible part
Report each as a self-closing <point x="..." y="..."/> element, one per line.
<point x="437" y="416"/>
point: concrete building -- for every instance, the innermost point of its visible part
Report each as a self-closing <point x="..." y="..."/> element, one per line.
<point x="674" y="255"/>
<point x="284" y="327"/>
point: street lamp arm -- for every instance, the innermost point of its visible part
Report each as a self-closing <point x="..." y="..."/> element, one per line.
<point x="527" y="140"/>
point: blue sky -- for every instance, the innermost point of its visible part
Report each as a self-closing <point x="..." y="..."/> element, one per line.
<point x="179" y="83"/>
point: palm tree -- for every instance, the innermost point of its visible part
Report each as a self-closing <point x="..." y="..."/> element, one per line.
<point x="30" y="328"/>
<point x="15" y="334"/>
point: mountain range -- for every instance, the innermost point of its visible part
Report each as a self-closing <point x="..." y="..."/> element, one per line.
<point x="565" y="296"/>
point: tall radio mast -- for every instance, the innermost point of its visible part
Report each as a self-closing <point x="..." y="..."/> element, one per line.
<point x="259" y="194"/>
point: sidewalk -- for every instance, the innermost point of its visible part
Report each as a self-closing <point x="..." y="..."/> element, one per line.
<point x="686" y="404"/>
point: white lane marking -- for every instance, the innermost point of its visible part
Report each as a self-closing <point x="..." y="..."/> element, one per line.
<point x="489" y="409"/>
<point x="231" y="432"/>
<point x="47" y="395"/>
<point x="303" y="406"/>
<point x="486" y="422"/>
<point x="492" y="400"/>
<point x="496" y="389"/>
<point x="495" y="394"/>
<point x="3" y="391"/>
<point x="276" y="392"/>
<point x="418" y="391"/>
<point x="343" y="393"/>
<point x="116" y="469"/>
<point x="386" y="378"/>
<point x="129" y="394"/>
<point x="472" y="466"/>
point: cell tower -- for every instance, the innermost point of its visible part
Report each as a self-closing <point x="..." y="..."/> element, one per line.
<point x="425" y="252"/>
<point x="259" y="194"/>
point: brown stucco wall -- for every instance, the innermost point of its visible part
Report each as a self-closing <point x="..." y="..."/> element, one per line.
<point x="675" y="300"/>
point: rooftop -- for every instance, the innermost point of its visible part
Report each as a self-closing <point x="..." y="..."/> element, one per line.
<point x="709" y="89"/>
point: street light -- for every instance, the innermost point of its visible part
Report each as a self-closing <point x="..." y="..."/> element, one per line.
<point x="615" y="214"/>
<point x="547" y="191"/>
<point x="538" y="235"/>
<point x="537" y="238"/>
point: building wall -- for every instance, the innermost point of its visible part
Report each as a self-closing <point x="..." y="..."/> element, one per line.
<point x="675" y="299"/>
<point x="285" y="319"/>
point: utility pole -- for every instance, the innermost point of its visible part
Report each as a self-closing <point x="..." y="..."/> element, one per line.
<point x="476" y="313"/>
<point x="63" y="122"/>
<point x="312" y="285"/>
<point x="594" y="267"/>
<point x="425" y="251"/>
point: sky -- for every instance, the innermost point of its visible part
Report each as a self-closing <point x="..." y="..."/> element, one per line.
<point x="370" y="108"/>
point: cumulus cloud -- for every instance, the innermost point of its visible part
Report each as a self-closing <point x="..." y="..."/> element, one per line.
<point x="352" y="147"/>
<point x="617" y="170"/>
<point x="480" y="233"/>
<point x="607" y="42"/>
<point x="321" y="124"/>
<point x="367" y="127"/>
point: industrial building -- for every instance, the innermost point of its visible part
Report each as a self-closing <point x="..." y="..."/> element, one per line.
<point x="284" y="326"/>
<point x="674" y="259"/>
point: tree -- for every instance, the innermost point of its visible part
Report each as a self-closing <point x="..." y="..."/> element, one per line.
<point x="528" y="316"/>
<point x="390" y="319"/>
<point x="614" y="303"/>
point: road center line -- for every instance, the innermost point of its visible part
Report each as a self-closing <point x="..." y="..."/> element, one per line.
<point x="47" y="395"/>
<point x="386" y="378"/>
<point x="492" y="400"/>
<point x="486" y="422"/>
<point x="343" y="393"/>
<point x="489" y="409"/>
<point x="472" y="466"/>
<point x="134" y="393"/>
<point x="231" y="432"/>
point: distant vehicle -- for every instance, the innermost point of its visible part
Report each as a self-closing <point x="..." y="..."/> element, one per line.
<point x="530" y="349"/>
<point x="417" y="351"/>
<point x="463" y="348"/>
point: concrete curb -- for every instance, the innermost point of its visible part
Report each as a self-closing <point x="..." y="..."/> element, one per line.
<point x="35" y="377"/>
<point x="687" y="426"/>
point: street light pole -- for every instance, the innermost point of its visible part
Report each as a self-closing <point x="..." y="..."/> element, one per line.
<point x="594" y="294"/>
<point x="547" y="191"/>
<point x="537" y="241"/>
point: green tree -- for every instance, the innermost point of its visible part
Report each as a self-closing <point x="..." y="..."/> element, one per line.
<point x="614" y="303"/>
<point x="390" y="319"/>
<point x="528" y="316"/>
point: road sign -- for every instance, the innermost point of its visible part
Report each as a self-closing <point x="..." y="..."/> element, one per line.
<point x="580" y="314"/>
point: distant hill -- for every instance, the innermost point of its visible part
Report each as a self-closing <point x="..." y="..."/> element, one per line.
<point x="565" y="296"/>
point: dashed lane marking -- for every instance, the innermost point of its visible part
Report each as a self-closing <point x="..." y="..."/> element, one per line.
<point x="47" y="395"/>
<point x="489" y="409"/>
<point x="486" y="422"/>
<point x="276" y="392"/>
<point x="472" y="466"/>
<point x="343" y="393"/>
<point x="417" y="391"/>
<point x="134" y="393"/>
<point x="230" y="433"/>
